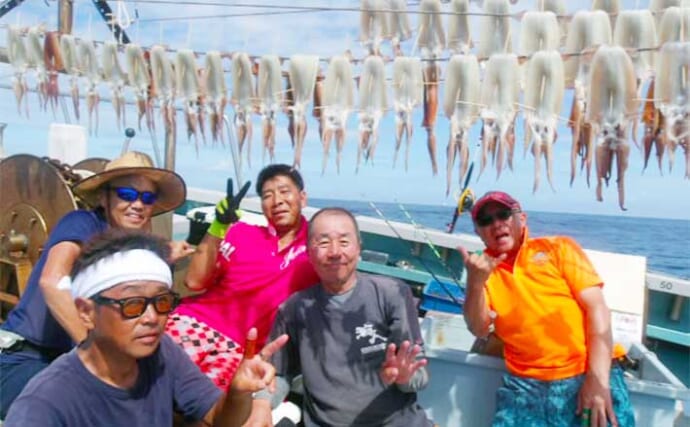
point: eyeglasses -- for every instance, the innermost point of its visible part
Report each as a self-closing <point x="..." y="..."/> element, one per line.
<point x="133" y="307"/>
<point x="129" y="194"/>
<point x="502" y="215"/>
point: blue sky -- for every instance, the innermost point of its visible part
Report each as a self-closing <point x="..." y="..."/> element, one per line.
<point x="325" y="34"/>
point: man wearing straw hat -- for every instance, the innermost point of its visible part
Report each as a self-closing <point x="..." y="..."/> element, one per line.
<point x="127" y="372"/>
<point x="126" y="195"/>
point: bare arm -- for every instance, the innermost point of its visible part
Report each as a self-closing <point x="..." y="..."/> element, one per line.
<point x="595" y="393"/>
<point x="476" y="308"/>
<point x="202" y="267"/>
<point x="59" y="263"/>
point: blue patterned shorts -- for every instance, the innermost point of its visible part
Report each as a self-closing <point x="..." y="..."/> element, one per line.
<point x="524" y="402"/>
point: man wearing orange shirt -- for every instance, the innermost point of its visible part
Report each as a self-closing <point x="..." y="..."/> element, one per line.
<point x="544" y="300"/>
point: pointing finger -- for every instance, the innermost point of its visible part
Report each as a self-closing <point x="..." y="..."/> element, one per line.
<point x="228" y="189"/>
<point x="243" y="191"/>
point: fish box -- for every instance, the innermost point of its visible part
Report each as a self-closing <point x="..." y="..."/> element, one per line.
<point x="436" y="296"/>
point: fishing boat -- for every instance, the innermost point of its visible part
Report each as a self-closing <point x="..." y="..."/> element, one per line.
<point x="462" y="392"/>
<point x="646" y="305"/>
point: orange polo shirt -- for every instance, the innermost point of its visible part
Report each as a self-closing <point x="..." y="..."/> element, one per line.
<point x="538" y="318"/>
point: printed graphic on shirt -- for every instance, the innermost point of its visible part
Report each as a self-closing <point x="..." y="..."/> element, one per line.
<point x="540" y="257"/>
<point x="367" y="331"/>
<point x="293" y="253"/>
<point x="226" y="249"/>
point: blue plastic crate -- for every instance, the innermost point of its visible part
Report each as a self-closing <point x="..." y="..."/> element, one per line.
<point x="436" y="298"/>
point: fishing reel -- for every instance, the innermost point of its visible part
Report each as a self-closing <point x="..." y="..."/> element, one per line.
<point x="36" y="193"/>
<point x="466" y="200"/>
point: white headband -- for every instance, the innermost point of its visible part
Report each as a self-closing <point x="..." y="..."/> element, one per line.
<point x="127" y="266"/>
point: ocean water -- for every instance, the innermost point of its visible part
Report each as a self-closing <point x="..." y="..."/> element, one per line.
<point x="665" y="242"/>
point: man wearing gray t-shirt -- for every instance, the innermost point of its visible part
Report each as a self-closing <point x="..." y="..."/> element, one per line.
<point x="355" y="338"/>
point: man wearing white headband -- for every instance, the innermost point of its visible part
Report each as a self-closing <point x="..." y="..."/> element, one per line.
<point x="126" y="195"/>
<point x="128" y="371"/>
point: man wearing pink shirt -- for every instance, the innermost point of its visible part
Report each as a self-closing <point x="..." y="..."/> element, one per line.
<point x="245" y="273"/>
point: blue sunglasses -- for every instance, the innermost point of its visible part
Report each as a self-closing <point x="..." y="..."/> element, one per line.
<point x="129" y="194"/>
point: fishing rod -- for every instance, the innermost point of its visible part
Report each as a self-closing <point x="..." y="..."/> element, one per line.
<point x="431" y="245"/>
<point x="458" y="302"/>
<point x="466" y="198"/>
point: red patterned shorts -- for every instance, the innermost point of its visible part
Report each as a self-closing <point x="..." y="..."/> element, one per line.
<point x="215" y="354"/>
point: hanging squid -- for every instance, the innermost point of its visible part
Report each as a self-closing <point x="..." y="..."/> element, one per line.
<point x="303" y="71"/>
<point x="461" y="105"/>
<point x="495" y="29"/>
<point x="88" y="63"/>
<point x="216" y="92"/>
<point x="398" y="25"/>
<point x="163" y="81"/>
<point x="559" y="9"/>
<point x="372" y="106"/>
<point x="611" y="7"/>
<point x="459" y="33"/>
<point x="187" y="85"/>
<point x="539" y="31"/>
<point x="408" y="87"/>
<point x="139" y="79"/>
<point x="318" y="101"/>
<point x="611" y="103"/>
<point x="431" y="41"/>
<point x="588" y="30"/>
<point x="653" y="128"/>
<point x="68" y="49"/>
<point x="270" y="98"/>
<point x="52" y="59"/>
<point x="36" y="61"/>
<point x="499" y="96"/>
<point x="544" y="91"/>
<point x="17" y="56"/>
<point x="673" y="98"/>
<point x="373" y="25"/>
<point x="338" y="101"/>
<point x="289" y="108"/>
<point x="635" y="31"/>
<point x="115" y="75"/>
<point x="658" y="7"/>
<point x="243" y="100"/>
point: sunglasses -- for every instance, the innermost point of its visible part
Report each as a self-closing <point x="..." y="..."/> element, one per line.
<point x="502" y="215"/>
<point x="129" y="194"/>
<point x="134" y="307"/>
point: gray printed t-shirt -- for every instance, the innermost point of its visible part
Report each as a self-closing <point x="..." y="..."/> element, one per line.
<point x="339" y="346"/>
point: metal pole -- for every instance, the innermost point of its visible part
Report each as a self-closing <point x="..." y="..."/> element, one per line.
<point x="65" y="16"/>
<point x="170" y="143"/>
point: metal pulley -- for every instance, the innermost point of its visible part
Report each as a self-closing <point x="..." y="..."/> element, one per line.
<point x="34" y="194"/>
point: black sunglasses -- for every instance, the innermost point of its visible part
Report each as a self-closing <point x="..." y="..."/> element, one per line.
<point x="133" y="307"/>
<point x="129" y="194"/>
<point x="502" y="215"/>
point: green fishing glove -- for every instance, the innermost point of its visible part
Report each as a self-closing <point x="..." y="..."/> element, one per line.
<point x="227" y="210"/>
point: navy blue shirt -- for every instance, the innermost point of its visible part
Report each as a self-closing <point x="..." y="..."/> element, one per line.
<point x="67" y="394"/>
<point x="31" y="318"/>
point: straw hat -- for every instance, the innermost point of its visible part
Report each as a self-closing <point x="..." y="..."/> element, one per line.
<point x="172" y="191"/>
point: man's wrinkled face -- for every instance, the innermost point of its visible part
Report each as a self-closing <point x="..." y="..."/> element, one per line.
<point x="128" y="214"/>
<point x="282" y="202"/>
<point x="136" y="337"/>
<point x="500" y="227"/>
<point x="334" y="249"/>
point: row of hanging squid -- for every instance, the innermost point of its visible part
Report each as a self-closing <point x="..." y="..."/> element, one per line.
<point x="608" y="67"/>
<point x="608" y="56"/>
